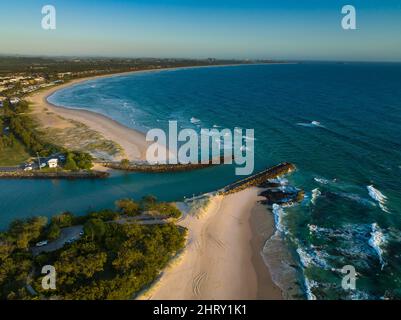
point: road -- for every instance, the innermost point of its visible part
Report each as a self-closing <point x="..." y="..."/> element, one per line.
<point x="10" y="169"/>
<point x="65" y="235"/>
<point x="75" y="233"/>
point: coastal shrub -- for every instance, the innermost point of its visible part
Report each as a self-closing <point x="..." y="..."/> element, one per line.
<point x="165" y="209"/>
<point x="83" y="160"/>
<point x="110" y="261"/>
<point x="78" y="161"/>
<point x="150" y="204"/>
<point x="95" y="228"/>
<point x="70" y="163"/>
<point x="23" y="232"/>
<point x="14" y="271"/>
<point x="53" y="232"/>
<point x="21" y="107"/>
<point x="124" y="163"/>
<point x="23" y="128"/>
<point x="148" y="201"/>
<point x="105" y="215"/>
<point x="117" y="264"/>
<point x="129" y="207"/>
<point x="63" y="220"/>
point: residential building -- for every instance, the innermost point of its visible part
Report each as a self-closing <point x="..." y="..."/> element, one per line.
<point x="52" y="163"/>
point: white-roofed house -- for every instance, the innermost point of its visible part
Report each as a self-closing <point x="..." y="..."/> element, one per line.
<point x="52" y="163"/>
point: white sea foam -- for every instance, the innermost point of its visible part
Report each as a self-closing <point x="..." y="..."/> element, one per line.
<point x="359" y="295"/>
<point x="278" y="213"/>
<point x="309" y="285"/>
<point x="321" y="180"/>
<point x="312" y="257"/>
<point x="312" y="124"/>
<point x="315" y="194"/>
<point x="194" y="120"/>
<point x="313" y="228"/>
<point x="379" y="197"/>
<point x="281" y="181"/>
<point x="377" y="241"/>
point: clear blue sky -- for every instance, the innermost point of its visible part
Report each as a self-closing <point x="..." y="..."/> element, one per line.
<point x="288" y="29"/>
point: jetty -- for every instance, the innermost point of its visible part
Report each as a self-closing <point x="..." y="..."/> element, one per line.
<point x="38" y="174"/>
<point x="144" y="166"/>
<point x="259" y="178"/>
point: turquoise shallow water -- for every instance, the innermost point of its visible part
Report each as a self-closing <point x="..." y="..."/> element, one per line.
<point x="356" y="145"/>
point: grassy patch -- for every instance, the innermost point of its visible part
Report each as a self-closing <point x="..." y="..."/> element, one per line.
<point x="15" y="155"/>
<point x="79" y="137"/>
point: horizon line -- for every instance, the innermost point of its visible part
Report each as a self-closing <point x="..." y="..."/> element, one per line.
<point x="72" y="56"/>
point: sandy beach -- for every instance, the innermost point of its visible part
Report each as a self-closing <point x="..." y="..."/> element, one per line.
<point x="131" y="141"/>
<point x="122" y="142"/>
<point x="222" y="259"/>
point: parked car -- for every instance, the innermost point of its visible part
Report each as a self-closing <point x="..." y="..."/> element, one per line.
<point x="71" y="240"/>
<point x="28" y="168"/>
<point x="42" y="243"/>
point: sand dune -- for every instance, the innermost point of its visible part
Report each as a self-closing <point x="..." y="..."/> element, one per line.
<point x="222" y="259"/>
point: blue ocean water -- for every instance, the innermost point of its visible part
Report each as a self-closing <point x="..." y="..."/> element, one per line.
<point x="340" y="124"/>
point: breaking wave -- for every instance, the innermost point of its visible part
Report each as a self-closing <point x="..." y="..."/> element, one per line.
<point x="315" y="194"/>
<point x="377" y="241"/>
<point x="194" y="120"/>
<point x="321" y="180"/>
<point x="312" y="124"/>
<point x="278" y="213"/>
<point x="309" y="285"/>
<point x="379" y="197"/>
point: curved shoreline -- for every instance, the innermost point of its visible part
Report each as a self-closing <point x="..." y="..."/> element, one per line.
<point x="132" y="141"/>
<point x="242" y="274"/>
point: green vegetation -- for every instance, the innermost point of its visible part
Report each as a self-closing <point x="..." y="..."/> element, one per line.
<point x="129" y="207"/>
<point x="124" y="163"/>
<point x="12" y="151"/>
<point x="23" y="127"/>
<point x="24" y="136"/>
<point x="152" y="206"/>
<point x="50" y="67"/>
<point x="110" y="261"/>
<point x="16" y="262"/>
<point x="78" y="160"/>
<point x="148" y="205"/>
